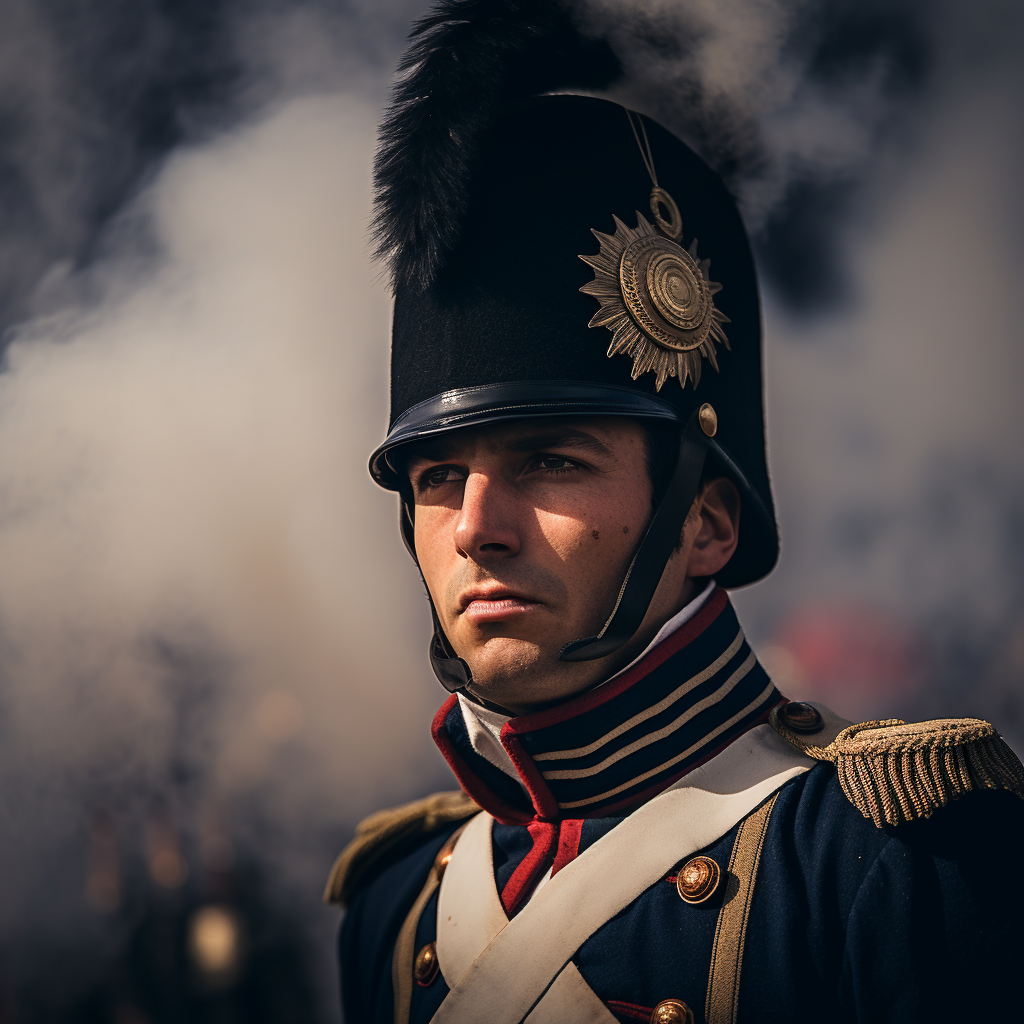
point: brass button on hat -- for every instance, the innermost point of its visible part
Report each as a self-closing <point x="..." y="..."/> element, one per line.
<point x="800" y="717"/>
<point x="672" y="1011"/>
<point x="697" y="879"/>
<point x="425" y="966"/>
<point x="708" y="419"/>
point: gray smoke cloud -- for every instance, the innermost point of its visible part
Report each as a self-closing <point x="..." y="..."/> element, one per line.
<point x="198" y="577"/>
<point x="203" y="598"/>
<point x="186" y="522"/>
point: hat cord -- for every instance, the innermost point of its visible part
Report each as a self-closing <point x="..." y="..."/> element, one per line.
<point x="643" y="143"/>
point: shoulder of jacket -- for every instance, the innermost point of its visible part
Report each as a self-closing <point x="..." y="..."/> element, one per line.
<point x="389" y="833"/>
<point x="894" y="771"/>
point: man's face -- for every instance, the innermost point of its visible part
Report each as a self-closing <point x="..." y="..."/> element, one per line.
<point x="524" y="532"/>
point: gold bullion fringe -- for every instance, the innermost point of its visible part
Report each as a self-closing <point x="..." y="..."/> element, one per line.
<point x="386" y="832"/>
<point x="893" y="772"/>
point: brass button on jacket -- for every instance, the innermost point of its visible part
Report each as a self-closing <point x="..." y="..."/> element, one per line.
<point x="800" y="717"/>
<point x="672" y="1011"/>
<point x="698" y="879"/>
<point x="444" y="855"/>
<point x="425" y="966"/>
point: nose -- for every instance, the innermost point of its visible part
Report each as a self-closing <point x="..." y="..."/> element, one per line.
<point x="487" y="520"/>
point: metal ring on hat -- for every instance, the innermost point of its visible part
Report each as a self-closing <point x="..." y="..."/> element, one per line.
<point x="672" y="227"/>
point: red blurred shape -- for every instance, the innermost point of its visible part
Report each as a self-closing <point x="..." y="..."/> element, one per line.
<point x="856" y="650"/>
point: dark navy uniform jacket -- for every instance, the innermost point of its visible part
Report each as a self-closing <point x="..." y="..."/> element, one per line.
<point x="849" y="922"/>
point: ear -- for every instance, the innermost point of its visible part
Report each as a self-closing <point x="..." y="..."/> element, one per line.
<point x="719" y="530"/>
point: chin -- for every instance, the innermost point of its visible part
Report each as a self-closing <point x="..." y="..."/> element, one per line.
<point x="505" y="664"/>
<point x="517" y="673"/>
<point x="505" y="656"/>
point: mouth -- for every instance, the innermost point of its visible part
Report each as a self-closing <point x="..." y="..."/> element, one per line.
<point x="494" y="604"/>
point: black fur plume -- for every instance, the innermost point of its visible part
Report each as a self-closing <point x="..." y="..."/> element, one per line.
<point x="467" y="57"/>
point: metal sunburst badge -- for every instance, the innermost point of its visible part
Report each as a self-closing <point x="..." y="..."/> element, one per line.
<point x="656" y="297"/>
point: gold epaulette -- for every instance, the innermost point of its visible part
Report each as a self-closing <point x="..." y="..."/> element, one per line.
<point x="894" y="772"/>
<point x="385" y="832"/>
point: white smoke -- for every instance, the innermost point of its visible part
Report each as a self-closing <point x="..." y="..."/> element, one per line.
<point x="738" y="80"/>
<point x="186" y="516"/>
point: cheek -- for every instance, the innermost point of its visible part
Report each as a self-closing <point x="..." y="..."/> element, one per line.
<point x="429" y="537"/>
<point x="598" y="533"/>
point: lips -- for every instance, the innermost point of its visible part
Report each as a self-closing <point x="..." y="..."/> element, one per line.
<point x="493" y="604"/>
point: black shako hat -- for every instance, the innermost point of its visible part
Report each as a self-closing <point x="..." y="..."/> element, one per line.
<point x="557" y="255"/>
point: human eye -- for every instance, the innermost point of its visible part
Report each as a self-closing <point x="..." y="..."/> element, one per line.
<point x="547" y="463"/>
<point x="438" y="476"/>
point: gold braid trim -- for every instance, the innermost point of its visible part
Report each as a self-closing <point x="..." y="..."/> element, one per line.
<point x="385" y="832"/>
<point x="893" y="772"/>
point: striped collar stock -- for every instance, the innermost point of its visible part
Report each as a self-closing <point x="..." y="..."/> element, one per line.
<point x="616" y="746"/>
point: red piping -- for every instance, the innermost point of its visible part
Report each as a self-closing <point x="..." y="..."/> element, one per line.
<point x="569" y="834"/>
<point x="468" y="779"/>
<point x="545" y="836"/>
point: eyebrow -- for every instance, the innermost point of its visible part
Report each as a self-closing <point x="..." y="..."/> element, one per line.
<point x="528" y="441"/>
<point x="564" y="437"/>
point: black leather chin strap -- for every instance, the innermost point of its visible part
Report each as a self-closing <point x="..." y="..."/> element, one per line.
<point x="635" y="594"/>
<point x="652" y="553"/>
<point x="449" y="668"/>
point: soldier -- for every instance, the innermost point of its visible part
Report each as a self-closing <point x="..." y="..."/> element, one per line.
<point x="646" y="829"/>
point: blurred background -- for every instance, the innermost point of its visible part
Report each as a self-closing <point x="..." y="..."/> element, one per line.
<point x="211" y="640"/>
